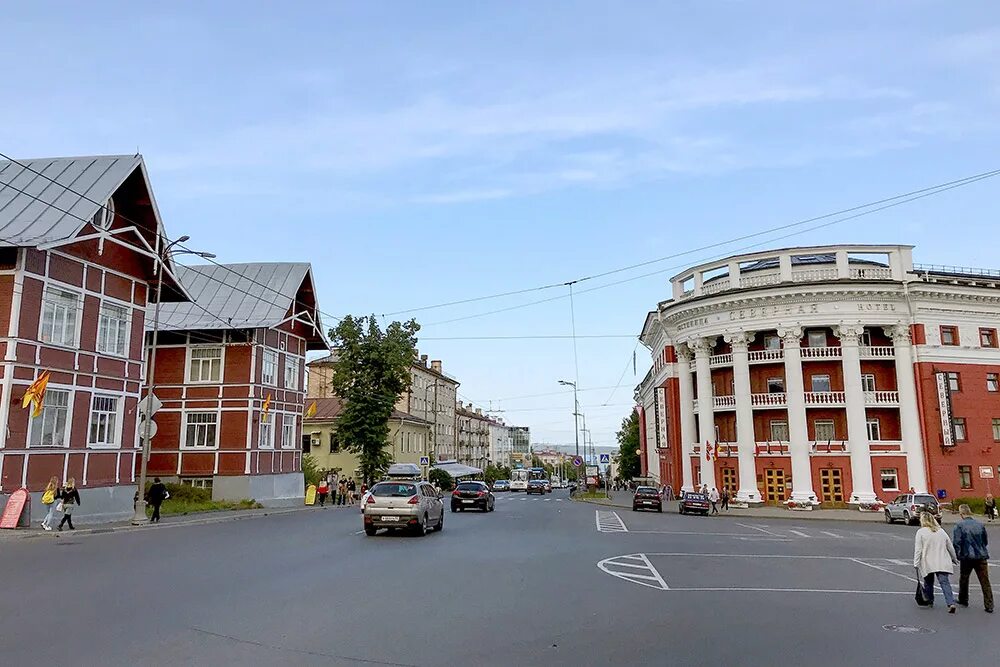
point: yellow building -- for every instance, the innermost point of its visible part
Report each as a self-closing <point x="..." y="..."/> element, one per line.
<point x="409" y="438"/>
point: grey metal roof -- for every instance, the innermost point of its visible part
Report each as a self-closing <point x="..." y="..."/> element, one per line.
<point x="47" y="211"/>
<point x="246" y="296"/>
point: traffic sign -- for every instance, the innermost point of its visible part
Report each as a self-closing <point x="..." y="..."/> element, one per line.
<point x="144" y="430"/>
<point x="149" y="405"/>
<point x="605" y="458"/>
<point x="577" y="461"/>
<point x="592" y="470"/>
<point x="425" y="460"/>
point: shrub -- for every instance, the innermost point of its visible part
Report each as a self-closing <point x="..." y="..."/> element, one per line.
<point x="977" y="505"/>
<point x="310" y="469"/>
<point x="185" y="492"/>
<point x="441" y="479"/>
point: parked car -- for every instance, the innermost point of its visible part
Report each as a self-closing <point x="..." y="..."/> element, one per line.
<point x="693" y="502"/>
<point x="536" y="486"/>
<point x="908" y="507"/>
<point x="501" y="485"/>
<point x="472" y="495"/>
<point x="403" y="504"/>
<point x="647" y="498"/>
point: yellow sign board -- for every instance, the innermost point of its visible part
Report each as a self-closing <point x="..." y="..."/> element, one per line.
<point x="311" y="494"/>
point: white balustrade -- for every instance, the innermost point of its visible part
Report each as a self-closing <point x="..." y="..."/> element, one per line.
<point x="720" y="360"/>
<point x="762" y="356"/>
<point x="716" y="286"/>
<point x="824" y="398"/>
<point x="881" y="398"/>
<point x="871" y="273"/>
<point x="877" y="352"/>
<point x="759" y="280"/>
<point x="885" y="446"/>
<point x="724" y="401"/>
<point x="773" y="448"/>
<point x="776" y="400"/>
<point x="810" y="275"/>
<point x="826" y="352"/>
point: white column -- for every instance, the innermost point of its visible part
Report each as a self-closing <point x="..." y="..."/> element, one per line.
<point x="745" y="438"/>
<point x="857" y="419"/>
<point x="909" y="419"/>
<point x="688" y="434"/>
<point x="706" y="406"/>
<point x="798" y="431"/>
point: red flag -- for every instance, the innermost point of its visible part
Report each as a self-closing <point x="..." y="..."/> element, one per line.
<point x="708" y="451"/>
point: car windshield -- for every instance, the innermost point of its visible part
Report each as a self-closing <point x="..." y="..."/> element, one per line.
<point x="646" y="490"/>
<point x="394" y="490"/>
<point x="470" y="486"/>
<point x="924" y="499"/>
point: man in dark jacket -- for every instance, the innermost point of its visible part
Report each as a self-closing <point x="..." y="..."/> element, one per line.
<point x="157" y="494"/>
<point x="970" y="541"/>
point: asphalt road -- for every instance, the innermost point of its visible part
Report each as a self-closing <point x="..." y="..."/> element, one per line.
<point x="541" y="581"/>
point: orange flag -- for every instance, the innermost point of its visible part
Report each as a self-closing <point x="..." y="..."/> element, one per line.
<point x="265" y="408"/>
<point x="311" y="410"/>
<point x="35" y="394"/>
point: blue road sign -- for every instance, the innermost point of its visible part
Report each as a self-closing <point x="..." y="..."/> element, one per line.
<point x="605" y="458"/>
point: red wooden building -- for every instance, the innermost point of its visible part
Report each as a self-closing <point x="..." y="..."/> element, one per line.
<point x="79" y="239"/>
<point x="243" y="339"/>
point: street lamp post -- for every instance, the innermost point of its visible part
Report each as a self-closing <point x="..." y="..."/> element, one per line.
<point x="576" y="413"/>
<point x="168" y="252"/>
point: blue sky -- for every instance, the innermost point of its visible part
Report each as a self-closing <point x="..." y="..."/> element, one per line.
<point x="418" y="153"/>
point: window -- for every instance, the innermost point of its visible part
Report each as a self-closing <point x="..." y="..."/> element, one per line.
<point x="868" y="382"/>
<point x="874" y="430"/>
<point x="825" y="431"/>
<point x="965" y="476"/>
<point x="960" y="428"/>
<point x="988" y="337"/>
<point x="992" y="382"/>
<point x="288" y="431"/>
<point x="113" y="329"/>
<point x="291" y="373"/>
<point x="206" y="364"/>
<point x="996" y="429"/>
<point x="775" y="385"/>
<point x="820" y="383"/>
<point x="817" y="338"/>
<point x="269" y="368"/>
<point x="306" y="443"/>
<point x="103" y="421"/>
<point x="772" y="343"/>
<point x="954" y="382"/>
<point x="865" y="339"/>
<point x="198" y="482"/>
<point x="59" y="312"/>
<point x="334" y="443"/>
<point x="105" y="215"/>
<point x="949" y="335"/>
<point x="779" y="431"/>
<point x="265" y="434"/>
<point x="890" y="479"/>
<point x="201" y="429"/>
<point x="49" y="428"/>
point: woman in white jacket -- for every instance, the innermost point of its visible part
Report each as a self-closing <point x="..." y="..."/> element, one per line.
<point x="934" y="554"/>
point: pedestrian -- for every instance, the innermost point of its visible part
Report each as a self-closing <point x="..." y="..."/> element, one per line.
<point x="934" y="556"/>
<point x="704" y="489"/>
<point x="69" y="497"/>
<point x="970" y="541"/>
<point x="49" y="501"/>
<point x="351" y="488"/>
<point x="323" y="490"/>
<point x="713" y="497"/>
<point x="155" y="496"/>
<point x="990" y="505"/>
<point x="725" y="498"/>
<point x="341" y="492"/>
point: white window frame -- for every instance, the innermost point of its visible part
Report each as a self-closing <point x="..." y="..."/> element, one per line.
<point x="190" y="359"/>
<point x="781" y="424"/>
<point x="49" y="412"/>
<point x="995" y="425"/>
<point x="186" y="422"/>
<point x="884" y="473"/>
<point x="868" y="382"/>
<point x="811" y="334"/>
<point x="812" y="383"/>
<point x="826" y="436"/>
<point x="865" y="338"/>
<point x="873" y="427"/>
<point x="772" y="342"/>
<point x="116" y="415"/>
<point x="290" y="364"/>
<point x="954" y="380"/>
<point x="63" y="341"/>
<point x="126" y="327"/>
<point x="288" y="428"/>
<point x="779" y="380"/>
<point x="269" y="358"/>
<point x="265" y="431"/>
<point x="198" y="482"/>
<point x="992" y="382"/>
<point x="961" y="429"/>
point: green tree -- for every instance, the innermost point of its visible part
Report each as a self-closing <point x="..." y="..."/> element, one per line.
<point x="371" y="370"/>
<point x="310" y="470"/>
<point x="628" y="445"/>
<point x="441" y="479"/>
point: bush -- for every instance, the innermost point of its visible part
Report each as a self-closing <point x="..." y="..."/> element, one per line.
<point x="977" y="505"/>
<point x="441" y="479"/>
<point x="310" y="470"/>
<point x="185" y="492"/>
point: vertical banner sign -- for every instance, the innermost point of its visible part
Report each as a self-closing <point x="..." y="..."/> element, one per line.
<point x="657" y="414"/>
<point x="662" y="442"/>
<point x="944" y="407"/>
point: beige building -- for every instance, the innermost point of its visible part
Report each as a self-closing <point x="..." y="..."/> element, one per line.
<point x="409" y="438"/>
<point x="474" y="432"/>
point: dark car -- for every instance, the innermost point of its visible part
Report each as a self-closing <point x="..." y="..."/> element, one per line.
<point x="693" y="502"/>
<point x="536" y="486"/>
<point x="472" y="495"/>
<point x="908" y="507"/>
<point x="647" y="498"/>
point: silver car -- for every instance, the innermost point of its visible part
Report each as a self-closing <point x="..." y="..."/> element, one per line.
<point x="403" y="504"/>
<point x="908" y="507"/>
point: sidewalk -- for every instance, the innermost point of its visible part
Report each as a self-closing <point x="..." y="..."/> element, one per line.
<point x="177" y="520"/>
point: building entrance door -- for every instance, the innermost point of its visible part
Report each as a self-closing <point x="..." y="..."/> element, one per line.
<point x="831" y="481"/>
<point x="729" y="480"/>
<point x="774" y="485"/>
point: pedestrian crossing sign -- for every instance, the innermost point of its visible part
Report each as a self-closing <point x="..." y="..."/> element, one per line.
<point x="425" y="460"/>
<point x="605" y="458"/>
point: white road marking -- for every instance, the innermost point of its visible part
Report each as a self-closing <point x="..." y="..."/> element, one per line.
<point x="826" y="532"/>
<point x="609" y="522"/>
<point x="359" y="532"/>
<point x="651" y="580"/>
<point x="797" y="532"/>
<point x="886" y="570"/>
<point x="787" y="590"/>
<point x="559" y="500"/>
<point x="760" y="528"/>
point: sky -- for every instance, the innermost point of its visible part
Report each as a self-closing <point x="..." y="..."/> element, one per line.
<point x="425" y="153"/>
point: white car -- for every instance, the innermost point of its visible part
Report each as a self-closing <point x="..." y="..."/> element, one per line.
<point x="557" y="484"/>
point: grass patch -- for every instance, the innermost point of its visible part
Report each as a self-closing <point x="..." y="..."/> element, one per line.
<point x="598" y="496"/>
<point x="187" y="506"/>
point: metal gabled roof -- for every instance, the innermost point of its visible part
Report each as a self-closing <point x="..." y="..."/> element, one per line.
<point x="35" y="210"/>
<point x="238" y="296"/>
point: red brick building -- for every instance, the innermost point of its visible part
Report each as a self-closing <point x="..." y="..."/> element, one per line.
<point x="830" y="375"/>
<point x="243" y="338"/>
<point x="78" y="247"/>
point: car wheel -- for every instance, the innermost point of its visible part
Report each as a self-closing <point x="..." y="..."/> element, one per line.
<point x="888" y="517"/>
<point x="906" y="518"/>
<point x="634" y="508"/>
<point x="421" y="528"/>
<point x="370" y="531"/>
<point x="680" y="509"/>
<point x="660" y="509"/>
<point x="440" y="525"/>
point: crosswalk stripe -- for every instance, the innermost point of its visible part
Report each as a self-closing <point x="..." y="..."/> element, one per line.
<point x="799" y="533"/>
<point x="826" y="532"/>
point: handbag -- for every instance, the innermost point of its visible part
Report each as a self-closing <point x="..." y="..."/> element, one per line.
<point x="919" y="595"/>
<point x="60" y="506"/>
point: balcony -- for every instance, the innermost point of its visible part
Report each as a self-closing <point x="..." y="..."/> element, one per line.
<point x="772" y="448"/>
<point x="871" y="273"/>
<point x="829" y="447"/>
<point x="877" y="352"/>
<point x="830" y="352"/>
<point x="724" y="402"/>
<point x="717" y="360"/>
<point x="766" y="356"/>
<point x="758" y="280"/>
<point x="832" y="398"/>
<point x="776" y="400"/>
<point x="886" y="398"/>
<point x="885" y="446"/>
<point x="812" y="275"/>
